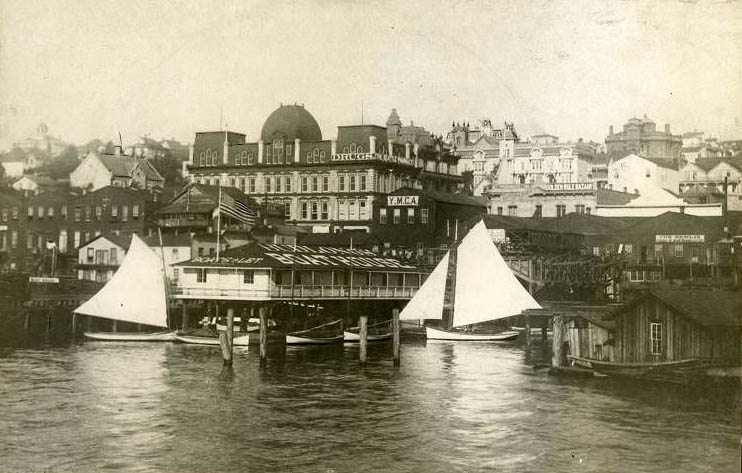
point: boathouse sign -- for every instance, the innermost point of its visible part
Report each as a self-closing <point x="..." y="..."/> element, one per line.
<point x="402" y="200"/>
<point x="679" y="238"/>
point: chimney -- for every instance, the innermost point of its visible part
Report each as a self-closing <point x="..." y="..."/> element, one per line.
<point x="667" y="128"/>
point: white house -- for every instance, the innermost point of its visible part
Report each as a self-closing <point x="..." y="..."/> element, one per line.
<point x="101" y="170"/>
<point x="707" y="176"/>
<point x="633" y="173"/>
<point x="99" y="258"/>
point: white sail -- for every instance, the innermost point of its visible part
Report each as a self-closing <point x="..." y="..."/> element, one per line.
<point x="136" y="293"/>
<point x="486" y="288"/>
<point x="428" y="302"/>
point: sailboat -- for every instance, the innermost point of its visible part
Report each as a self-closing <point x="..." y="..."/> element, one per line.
<point x="483" y="289"/>
<point x="136" y="293"/>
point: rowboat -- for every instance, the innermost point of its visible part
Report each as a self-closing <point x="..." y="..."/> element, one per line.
<point x="319" y="335"/>
<point x="640" y="368"/>
<point x="241" y="341"/>
<point x="457" y="335"/>
<point x="165" y="336"/>
<point x="377" y="332"/>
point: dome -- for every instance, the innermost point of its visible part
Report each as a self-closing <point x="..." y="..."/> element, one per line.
<point x="291" y="122"/>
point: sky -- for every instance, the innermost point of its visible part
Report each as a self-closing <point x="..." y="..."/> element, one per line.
<point x="97" y="68"/>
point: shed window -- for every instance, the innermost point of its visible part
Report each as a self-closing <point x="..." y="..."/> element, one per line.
<point x="423" y="215"/>
<point x="679" y="250"/>
<point x="382" y="216"/>
<point x="248" y="276"/>
<point x="201" y="275"/>
<point x="655" y="334"/>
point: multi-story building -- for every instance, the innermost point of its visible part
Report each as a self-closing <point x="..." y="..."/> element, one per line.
<point x="640" y="136"/>
<point x="99" y="170"/>
<point x="36" y="228"/>
<point x="703" y="181"/>
<point x="43" y="141"/>
<point x="633" y="174"/>
<point x="330" y="185"/>
<point x="695" y="146"/>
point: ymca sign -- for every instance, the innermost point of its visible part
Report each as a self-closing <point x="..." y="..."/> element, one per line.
<point x="402" y="200"/>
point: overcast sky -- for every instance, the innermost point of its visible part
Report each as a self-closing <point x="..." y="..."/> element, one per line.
<point x="169" y="68"/>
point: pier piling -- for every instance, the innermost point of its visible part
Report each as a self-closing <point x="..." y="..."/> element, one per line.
<point x="363" y="335"/>
<point x="184" y="317"/>
<point x="226" y="338"/>
<point x="27" y="320"/>
<point x="558" y="341"/>
<point x="395" y="336"/>
<point x="528" y="333"/>
<point x="74" y="323"/>
<point x="263" y="336"/>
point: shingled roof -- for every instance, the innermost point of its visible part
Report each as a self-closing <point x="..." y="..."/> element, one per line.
<point x="707" y="308"/>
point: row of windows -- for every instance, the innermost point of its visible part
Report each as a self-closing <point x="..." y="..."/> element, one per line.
<point x="397" y="216"/>
<point x="561" y="210"/>
<point x="346" y="210"/>
<point x="248" y="275"/>
<point x="660" y="250"/>
<point x="42" y="212"/>
<point x="307" y="184"/>
<point x="274" y="154"/>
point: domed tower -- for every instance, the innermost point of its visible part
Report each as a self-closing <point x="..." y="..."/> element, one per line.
<point x="393" y="125"/>
<point x="291" y="122"/>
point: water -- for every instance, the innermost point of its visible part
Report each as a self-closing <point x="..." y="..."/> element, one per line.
<point x="450" y="407"/>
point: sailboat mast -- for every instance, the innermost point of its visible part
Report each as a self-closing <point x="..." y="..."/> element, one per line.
<point x="164" y="278"/>
<point x="350" y="278"/>
<point x="451" y="288"/>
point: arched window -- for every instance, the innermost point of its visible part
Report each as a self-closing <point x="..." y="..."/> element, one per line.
<point x="352" y="147"/>
<point x="345" y="150"/>
<point x="322" y="156"/>
<point x="359" y="149"/>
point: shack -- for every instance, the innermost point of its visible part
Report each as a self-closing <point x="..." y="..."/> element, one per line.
<point x="590" y="337"/>
<point x="667" y="324"/>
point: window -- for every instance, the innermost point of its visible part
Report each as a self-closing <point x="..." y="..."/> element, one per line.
<point x="78" y="214"/>
<point x="580" y="209"/>
<point x="287" y="210"/>
<point x="201" y="275"/>
<point x="40" y="212"/>
<point x="325" y="212"/>
<point x="423" y="215"/>
<point x="200" y="251"/>
<point x="655" y="335"/>
<point x="411" y="216"/>
<point x="124" y="213"/>
<point x="588" y="211"/>
<point x="382" y="216"/>
<point x="304" y="210"/>
<point x="304" y="184"/>
<point x="5" y="215"/>
<point x="30" y="212"/>
<point x="679" y="250"/>
<point x="315" y="209"/>
<point x="499" y="210"/>
<point x="252" y="185"/>
<point x="512" y="210"/>
<point x="88" y="213"/>
<point x="315" y="184"/>
<point x="248" y="276"/>
<point x="341" y="209"/>
<point x="287" y="184"/>
<point x="91" y="255"/>
<point x="561" y="210"/>
<point x="363" y="182"/>
<point x="176" y="274"/>
<point x="98" y="212"/>
<point x="352" y="183"/>
<point x="268" y="184"/>
<point x="325" y="183"/>
<point x="596" y="251"/>
<point x="628" y="249"/>
<point x="352" y="210"/>
<point x="397" y="215"/>
<point x="538" y="213"/>
<point x="113" y="256"/>
<point x="322" y="156"/>
<point x="135" y="211"/>
<point x="29" y="240"/>
<point x="363" y="210"/>
<point x="77" y="239"/>
<point x="174" y="254"/>
<point x="13" y="239"/>
<point x="114" y="212"/>
<point x="341" y="183"/>
<point x="658" y="250"/>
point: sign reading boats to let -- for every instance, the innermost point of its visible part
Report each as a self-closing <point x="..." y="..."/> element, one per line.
<point x="497" y="235"/>
<point x="679" y="238"/>
<point x="402" y="200"/>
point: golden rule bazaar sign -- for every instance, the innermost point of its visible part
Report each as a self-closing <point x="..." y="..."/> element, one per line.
<point x="679" y="238"/>
<point x="402" y="200"/>
<point x="569" y="186"/>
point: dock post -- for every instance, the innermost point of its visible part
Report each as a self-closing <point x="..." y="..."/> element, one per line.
<point x="395" y="336"/>
<point x="226" y="338"/>
<point x="363" y="338"/>
<point x="263" y="336"/>
<point x="48" y="320"/>
<point x="74" y="324"/>
<point x="557" y="341"/>
<point x="528" y="334"/>
<point x="184" y="317"/>
<point x="27" y="320"/>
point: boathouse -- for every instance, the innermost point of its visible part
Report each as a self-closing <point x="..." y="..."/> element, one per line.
<point x="672" y="325"/>
<point x="263" y="272"/>
<point x="590" y="337"/>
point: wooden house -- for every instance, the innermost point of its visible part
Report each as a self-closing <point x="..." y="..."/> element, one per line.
<point x="666" y="325"/>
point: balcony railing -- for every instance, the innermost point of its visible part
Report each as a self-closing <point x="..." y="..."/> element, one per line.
<point x="299" y="292"/>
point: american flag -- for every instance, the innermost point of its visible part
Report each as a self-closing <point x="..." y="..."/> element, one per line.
<point x="236" y="209"/>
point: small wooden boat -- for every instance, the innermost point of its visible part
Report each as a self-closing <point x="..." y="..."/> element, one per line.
<point x="638" y="368"/>
<point x="377" y="332"/>
<point x="439" y="334"/>
<point x="165" y="336"/>
<point x="319" y="335"/>
<point x="241" y="341"/>
<point x="534" y="330"/>
<point x="253" y="325"/>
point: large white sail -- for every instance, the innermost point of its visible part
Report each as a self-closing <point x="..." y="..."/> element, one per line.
<point x="136" y="293"/>
<point x="486" y="288"/>
<point x="428" y="302"/>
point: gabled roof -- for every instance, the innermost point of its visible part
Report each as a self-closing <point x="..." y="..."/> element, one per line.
<point x="673" y="223"/>
<point x="707" y="308"/>
<point x="708" y="164"/>
<point x="662" y="162"/>
<point x="458" y="199"/>
<point x="168" y="240"/>
<point x="122" y="242"/>
<point x="178" y="205"/>
<point x="124" y="165"/>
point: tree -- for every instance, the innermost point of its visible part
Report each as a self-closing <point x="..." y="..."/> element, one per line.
<point x="468" y="186"/>
<point x="62" y="165"/>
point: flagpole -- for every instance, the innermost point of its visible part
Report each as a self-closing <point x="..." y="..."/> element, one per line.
<point x="218" y="221"/>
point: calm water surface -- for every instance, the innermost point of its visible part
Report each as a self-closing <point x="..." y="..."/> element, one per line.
<point x="450" y="407"/>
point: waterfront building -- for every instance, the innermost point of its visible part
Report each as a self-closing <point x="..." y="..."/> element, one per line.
<point x="68" y="220"/>
<point x="640" y="136"/>
<point x="263" y="272"/>
<point x="98" y="170"/>
<point x="678" y="324"/>
<point x="328" y="185"/>
<point x="99" y="258"/>
<point x="703" y="181"/>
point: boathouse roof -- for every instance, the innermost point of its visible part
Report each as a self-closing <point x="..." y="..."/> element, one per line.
<point x="278" y="256"/>
<point x="708" y="308"/>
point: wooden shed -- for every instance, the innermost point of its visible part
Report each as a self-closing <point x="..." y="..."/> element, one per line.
<point x="666" y="324"/>
<point x="591" y="337"/>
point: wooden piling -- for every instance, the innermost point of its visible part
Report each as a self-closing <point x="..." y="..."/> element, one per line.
<point x="27" y="320"/>
<point x="528" y="333"/>
<point x="48" y="320"/>
<point x="74" y="323"/>
<point x="263" y="335"/>
<point x="557" y="341"/>
<point x="363" y="335"/>
<point x="226" y="339"/>
<point x="184" y="317"/>
<point x="395" y="336"/>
